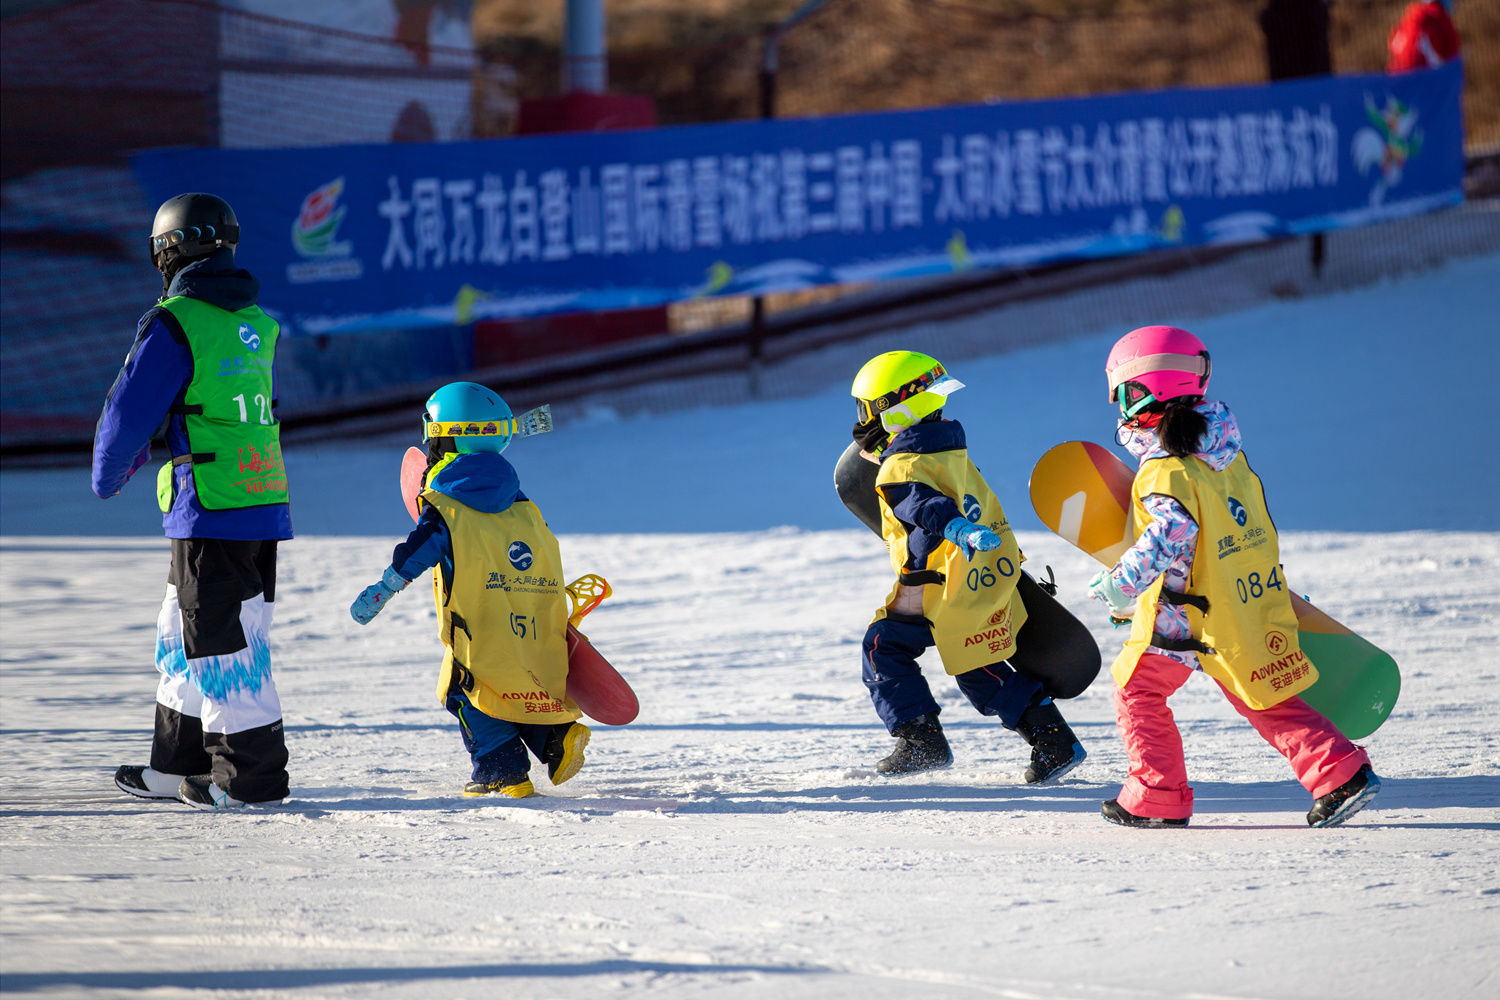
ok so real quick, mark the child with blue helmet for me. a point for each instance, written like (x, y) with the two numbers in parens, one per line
(502, 609)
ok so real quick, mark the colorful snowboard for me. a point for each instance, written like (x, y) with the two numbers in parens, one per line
(1082, 492)
(1053, 646)
(595, 686)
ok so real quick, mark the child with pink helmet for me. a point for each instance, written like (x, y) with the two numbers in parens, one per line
(1205, 590)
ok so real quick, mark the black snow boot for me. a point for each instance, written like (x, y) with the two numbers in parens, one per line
(1116, 813)
(1345, 800)
(1054, 749)
(147, 782)
(920, 746)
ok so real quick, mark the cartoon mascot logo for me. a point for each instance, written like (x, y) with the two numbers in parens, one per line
(1386, 144)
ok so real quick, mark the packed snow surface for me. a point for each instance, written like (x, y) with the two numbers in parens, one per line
(735, 841)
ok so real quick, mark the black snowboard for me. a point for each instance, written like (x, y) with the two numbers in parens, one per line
(1053, 647)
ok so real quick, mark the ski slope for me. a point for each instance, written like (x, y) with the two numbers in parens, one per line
(735, 841)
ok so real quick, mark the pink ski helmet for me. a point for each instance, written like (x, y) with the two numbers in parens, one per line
(1153, 365)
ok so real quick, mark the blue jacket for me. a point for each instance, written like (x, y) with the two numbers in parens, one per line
(153, 379)
(481, 481)
(924, 510)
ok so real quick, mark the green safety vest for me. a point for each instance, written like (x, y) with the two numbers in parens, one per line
(234, 440)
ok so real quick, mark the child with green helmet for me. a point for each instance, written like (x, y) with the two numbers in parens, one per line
(502, 609)
(957, 566)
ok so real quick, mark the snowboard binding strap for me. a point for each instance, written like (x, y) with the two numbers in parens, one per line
(585, 594)
(1049, 585)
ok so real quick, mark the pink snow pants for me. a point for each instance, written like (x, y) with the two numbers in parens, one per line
(1158, 786)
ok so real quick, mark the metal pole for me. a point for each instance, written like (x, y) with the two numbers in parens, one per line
(584, 66)
(768, 67)
(770, 63)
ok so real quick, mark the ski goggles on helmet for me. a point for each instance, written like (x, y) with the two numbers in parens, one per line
(466, 428)
(1130, 382)
(197, 235)
(934, 379)
(1133, 398)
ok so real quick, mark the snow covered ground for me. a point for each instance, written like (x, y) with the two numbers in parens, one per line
(735, 841)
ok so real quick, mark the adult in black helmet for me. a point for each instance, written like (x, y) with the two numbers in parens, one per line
(203, 363)
(188, 227)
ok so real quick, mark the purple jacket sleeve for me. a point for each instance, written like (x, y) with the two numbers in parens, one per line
(1169, 538)
(155, 373)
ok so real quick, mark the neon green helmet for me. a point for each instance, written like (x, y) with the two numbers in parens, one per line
(902, 388)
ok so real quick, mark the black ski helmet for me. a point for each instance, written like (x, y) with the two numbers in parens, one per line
(194, 225)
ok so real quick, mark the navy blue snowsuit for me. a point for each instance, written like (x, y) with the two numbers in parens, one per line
(892, 644)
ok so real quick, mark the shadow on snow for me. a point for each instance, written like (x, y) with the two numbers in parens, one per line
(860, 795)
(261, 979)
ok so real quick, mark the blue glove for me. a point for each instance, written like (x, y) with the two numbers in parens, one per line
(970, 538)
(371, 600)
(1104, 587)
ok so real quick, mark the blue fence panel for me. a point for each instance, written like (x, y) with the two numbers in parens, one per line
(359, 238)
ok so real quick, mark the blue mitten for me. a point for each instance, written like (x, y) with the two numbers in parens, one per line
(970, 538)
(1104, 587)
(371, 600)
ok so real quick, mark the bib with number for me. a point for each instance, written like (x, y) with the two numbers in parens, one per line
(233, 437)
(1250, 628)
(975, 609)
(504, 620)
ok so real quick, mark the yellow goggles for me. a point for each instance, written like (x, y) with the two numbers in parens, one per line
(869, 409)
(461, 428)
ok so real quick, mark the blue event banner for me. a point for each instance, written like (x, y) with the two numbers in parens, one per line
(354, 238)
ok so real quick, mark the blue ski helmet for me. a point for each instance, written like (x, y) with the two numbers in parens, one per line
(476, 418)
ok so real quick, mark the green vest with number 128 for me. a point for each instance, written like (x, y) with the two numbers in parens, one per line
(233, 436)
